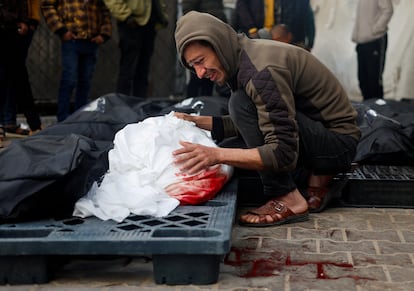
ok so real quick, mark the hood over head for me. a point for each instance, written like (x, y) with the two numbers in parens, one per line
(203, 26)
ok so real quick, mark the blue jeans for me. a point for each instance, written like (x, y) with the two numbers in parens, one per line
(78, 65)
(321, 151)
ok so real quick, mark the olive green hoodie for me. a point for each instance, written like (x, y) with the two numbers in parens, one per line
(139, 10)
(281, 79)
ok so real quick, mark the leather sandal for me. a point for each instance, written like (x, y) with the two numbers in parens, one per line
(279, 213)
(319, 197)
(16, 131)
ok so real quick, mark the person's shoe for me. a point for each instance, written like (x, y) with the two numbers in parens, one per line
(16, 130)
(319, 197)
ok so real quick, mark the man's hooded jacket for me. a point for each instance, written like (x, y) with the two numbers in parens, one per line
(281, 79)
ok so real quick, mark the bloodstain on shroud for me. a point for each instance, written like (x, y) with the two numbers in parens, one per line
(198, 188)
(252, 266)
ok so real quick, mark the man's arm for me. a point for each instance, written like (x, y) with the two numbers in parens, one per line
(192, 158)
(52, 18)
(106, 26)
(385, 16)
(203, 122)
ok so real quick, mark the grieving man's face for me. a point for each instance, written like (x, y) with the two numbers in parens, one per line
(205, 62)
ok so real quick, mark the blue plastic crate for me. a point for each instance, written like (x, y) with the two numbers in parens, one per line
(198, 234)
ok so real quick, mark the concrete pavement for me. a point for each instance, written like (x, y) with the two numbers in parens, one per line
(339, 249)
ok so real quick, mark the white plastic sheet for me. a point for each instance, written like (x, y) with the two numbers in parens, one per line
(141, 172)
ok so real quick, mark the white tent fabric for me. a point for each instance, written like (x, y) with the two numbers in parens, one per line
(334, 21)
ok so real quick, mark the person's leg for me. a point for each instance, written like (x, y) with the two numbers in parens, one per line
(382, 48)
(10, 77)
(9, 105)
(4, 81)
(146, 38)
(223, 91)
(244, 114)
(199, 87)
(129, 46)
(325, 153)
(369, 68)
(286, 204)
(68, 79)
(87, 62)
(2, 100)
(206, 87)
(10, 115)
(25, 102)
(9, 110)
(362, 70)
(193, 86)
(22, 87)
(375, 69)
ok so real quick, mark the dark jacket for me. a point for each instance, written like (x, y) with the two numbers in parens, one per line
(214, 7)
(248, 14)
(281, 79)
(296, 14)
(14, 11)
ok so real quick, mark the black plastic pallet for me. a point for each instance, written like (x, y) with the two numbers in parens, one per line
(380, 186)
(198, 234)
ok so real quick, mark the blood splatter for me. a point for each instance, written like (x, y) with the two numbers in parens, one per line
(260, 264)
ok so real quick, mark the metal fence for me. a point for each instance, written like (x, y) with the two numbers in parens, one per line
(44, 64)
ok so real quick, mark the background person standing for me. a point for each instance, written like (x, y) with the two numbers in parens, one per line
(370, 35)
(253, 15)
(18, 22)
(82, 26)
(137, 22)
